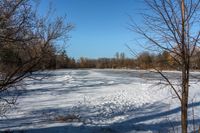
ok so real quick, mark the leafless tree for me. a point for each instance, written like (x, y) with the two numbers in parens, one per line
(173, 26)
(26, 41)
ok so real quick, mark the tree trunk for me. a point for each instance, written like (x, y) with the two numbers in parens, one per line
(184, 106)
(185, 91)
(185, 72)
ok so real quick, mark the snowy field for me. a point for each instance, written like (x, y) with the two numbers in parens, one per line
(100, 101)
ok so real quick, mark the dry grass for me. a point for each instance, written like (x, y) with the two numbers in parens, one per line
(68, 118)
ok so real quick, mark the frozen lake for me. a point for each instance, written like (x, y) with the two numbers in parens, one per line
(102, 100)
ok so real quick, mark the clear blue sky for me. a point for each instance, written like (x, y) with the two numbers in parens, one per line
(100, 25)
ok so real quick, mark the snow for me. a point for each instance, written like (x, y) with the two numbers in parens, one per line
(122, 101)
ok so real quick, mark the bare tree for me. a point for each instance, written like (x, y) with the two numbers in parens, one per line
(173, 26)
(26, 41)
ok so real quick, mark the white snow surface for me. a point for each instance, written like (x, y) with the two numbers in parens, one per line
(104, 101)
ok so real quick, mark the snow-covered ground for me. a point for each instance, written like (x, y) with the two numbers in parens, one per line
(100, 101)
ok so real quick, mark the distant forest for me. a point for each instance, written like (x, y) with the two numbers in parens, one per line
(60, 60)
(144, 60)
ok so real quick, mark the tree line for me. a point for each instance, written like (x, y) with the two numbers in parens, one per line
(145, 60)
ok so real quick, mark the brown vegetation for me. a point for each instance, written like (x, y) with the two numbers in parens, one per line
(27, 44)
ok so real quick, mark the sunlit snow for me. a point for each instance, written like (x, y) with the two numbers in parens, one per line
(103, 100)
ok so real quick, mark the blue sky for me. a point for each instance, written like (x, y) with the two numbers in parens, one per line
(101, 26)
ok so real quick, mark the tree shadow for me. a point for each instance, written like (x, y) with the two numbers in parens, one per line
(165, 125)
(153, 119)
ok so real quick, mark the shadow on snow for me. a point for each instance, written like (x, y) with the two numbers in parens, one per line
(137, 123)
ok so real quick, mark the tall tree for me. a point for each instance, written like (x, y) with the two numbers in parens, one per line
(26, 41)
(173, 26)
